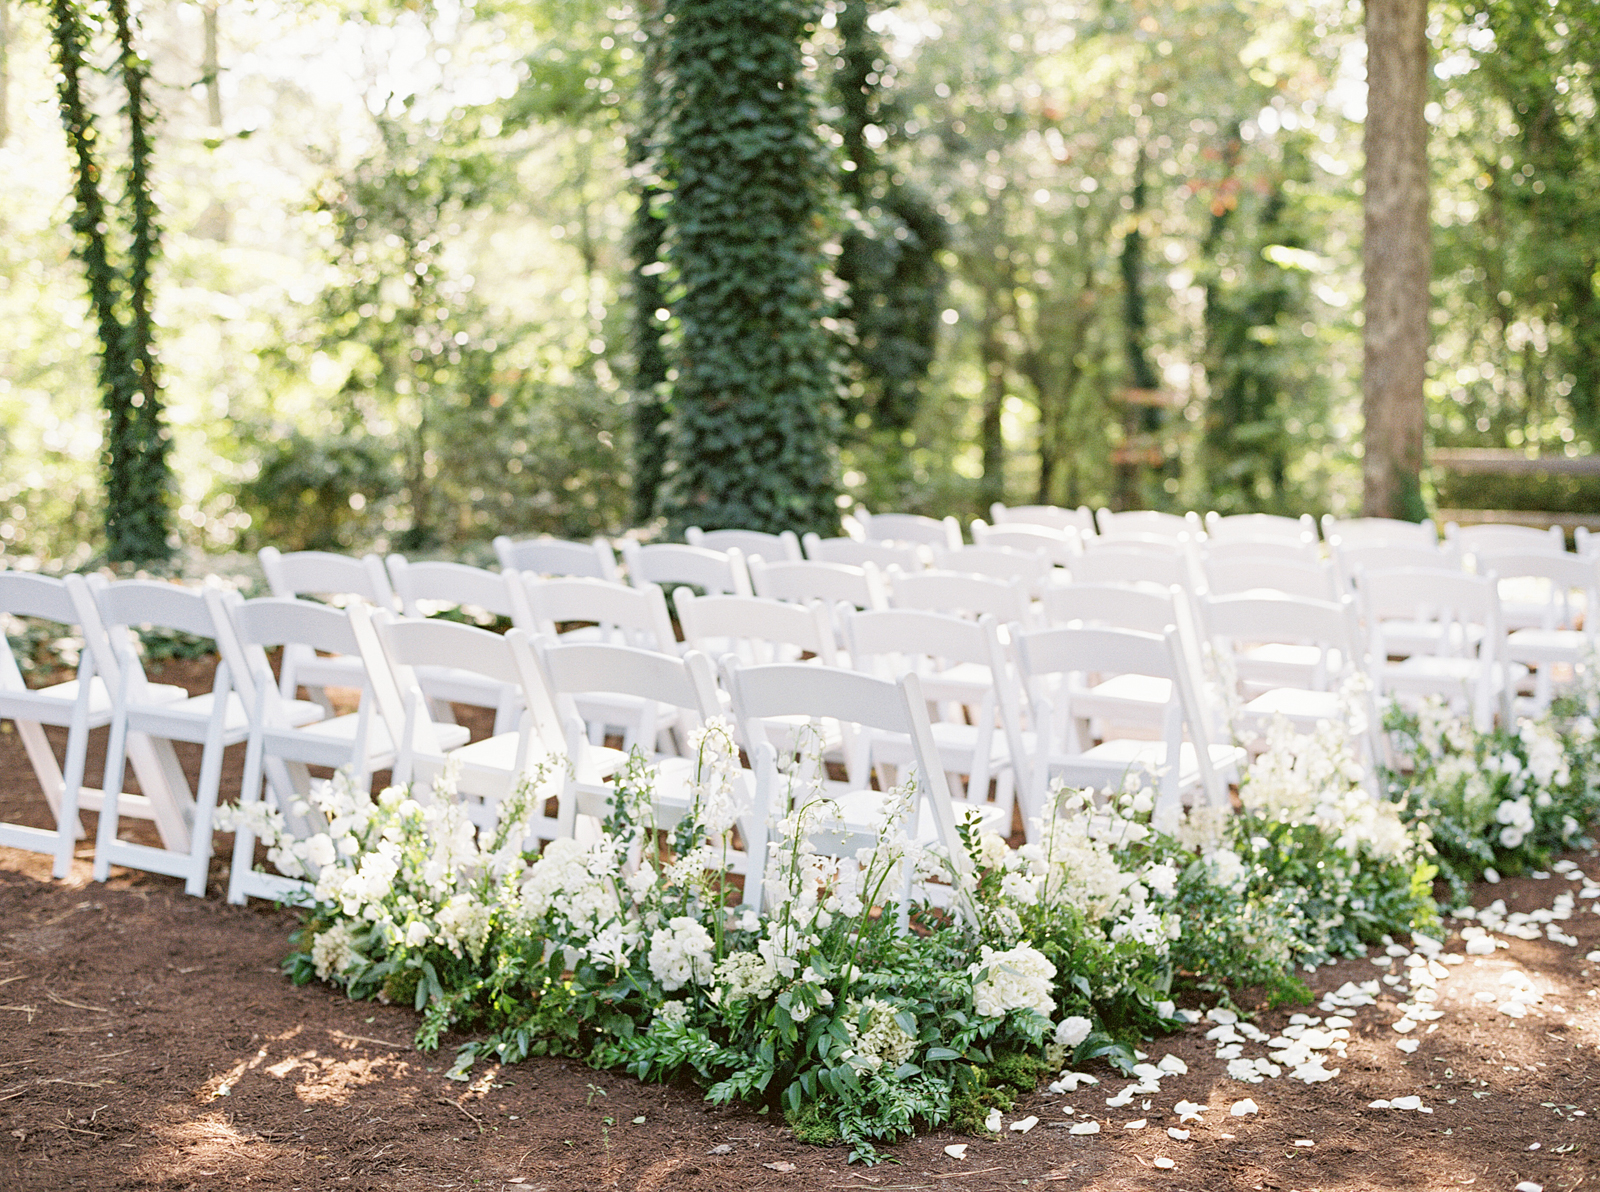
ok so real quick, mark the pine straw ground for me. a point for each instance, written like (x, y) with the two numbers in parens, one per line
(148, 1041)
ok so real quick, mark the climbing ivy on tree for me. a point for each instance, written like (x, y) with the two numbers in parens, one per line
(138, 480)
(754, 399)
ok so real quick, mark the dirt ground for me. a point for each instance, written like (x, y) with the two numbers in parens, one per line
(148, 1041)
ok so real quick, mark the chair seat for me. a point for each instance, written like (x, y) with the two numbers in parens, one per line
(461, 686)
(1547, 645)
(35, 704)
(1141, 697)
(1286, 664)
(1424, 674)
(182, 719)
(1296, 704)
(1107, 763)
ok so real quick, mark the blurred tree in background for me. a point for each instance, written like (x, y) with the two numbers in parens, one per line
(432, 273)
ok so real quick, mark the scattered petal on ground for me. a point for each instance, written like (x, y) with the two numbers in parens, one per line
(1023, 1125)
(1136, 1124)
(992, 1122)
(1163, 1162)
(1085, 1128)
(1240, 1108)
(1177, 1135)
(1407, 1045)
(956, 1150)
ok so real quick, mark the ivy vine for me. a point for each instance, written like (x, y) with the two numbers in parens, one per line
(755, 396)
(138, 480)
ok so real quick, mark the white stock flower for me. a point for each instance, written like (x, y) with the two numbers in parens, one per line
(332, 951)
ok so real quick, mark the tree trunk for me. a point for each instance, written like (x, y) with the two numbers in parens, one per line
(1397, 258)
(994, 358)
(210, 68)
(5, 70)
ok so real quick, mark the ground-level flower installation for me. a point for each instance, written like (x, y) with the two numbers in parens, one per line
(631, 950)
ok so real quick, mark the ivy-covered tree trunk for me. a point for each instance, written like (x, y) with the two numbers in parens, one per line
(753, 404)
(1397, 258)
(138, 480)
(646, 236)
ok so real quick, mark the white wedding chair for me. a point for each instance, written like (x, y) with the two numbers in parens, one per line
(146, 714)
(756, 629)
(680, 691)
(78, 705)
(320, 573)
(1116, 563)
(1035, 570)
(959, 592)
(1054, 517)
(784, 547)
(1502, 539)
(280, 746)
(1311, 581)
(1053, 664)
(1148, 522)
(1469, 666)
(557, 557)
(1564, 632)
(1260, 527)
(486, 771)
(1306, 552)
(861, 706)
(853, 552)
(717, 572)
(432, 587)
(962, 670)
(1061, 547)
(831, 583)
(1378, 531)
(1304, 652)
(909, 527)
(614, 614)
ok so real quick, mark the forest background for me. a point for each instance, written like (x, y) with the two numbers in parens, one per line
(406, 295)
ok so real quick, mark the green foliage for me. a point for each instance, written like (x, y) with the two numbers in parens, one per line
(312, 493)
(1504, 800)
(137, 481)
(756, 385)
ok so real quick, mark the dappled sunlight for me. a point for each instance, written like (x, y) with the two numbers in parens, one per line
(318, 1075)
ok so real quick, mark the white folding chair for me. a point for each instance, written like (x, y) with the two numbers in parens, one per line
(755, 629)
(962, 593)
(716, 572)
(831, 583)
(1376, 531)
(1318, 650)
(1219, 556)
(1151, 522)
(777, 547)
(961, 667)
(852, 552)
(323, 573)
(1117, 564)
(1565, 631)
(615, 615)
(999, 562)
(1227, 577)
(1053, 517)
(1469, 666)
(1048, 658)
(1503, 539)
(1260, 527)
(279, 749)
(433, 587)
(146, 712)
(1061, 547)
(909, 527)
(555, 556)
(859, 704)
(486, 771)
(77, 705)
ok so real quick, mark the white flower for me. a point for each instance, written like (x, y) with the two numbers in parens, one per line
(320, 850)
(1072, 1031)
(332, 951)
(680, 953)
(418, 933)
(884, 1043)
(1018, 978)
(1163, 879)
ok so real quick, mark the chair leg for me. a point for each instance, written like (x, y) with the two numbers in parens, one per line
(71, 785)
(205, 806)
(244, 840)
(111, 797)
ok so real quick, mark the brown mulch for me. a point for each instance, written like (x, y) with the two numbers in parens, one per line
(148, 1040)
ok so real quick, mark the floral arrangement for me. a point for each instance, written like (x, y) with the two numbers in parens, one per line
(875, 993)
(1501, 801)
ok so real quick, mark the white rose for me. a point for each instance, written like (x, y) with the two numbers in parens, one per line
(1073, 1031)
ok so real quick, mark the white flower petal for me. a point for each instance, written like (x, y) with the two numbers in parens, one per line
(1085, 1128)
(956, 1150)
(1241, 1108)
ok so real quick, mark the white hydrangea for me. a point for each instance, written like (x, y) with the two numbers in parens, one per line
(332, 951)
(884, 1043)
(673, 1013)
(1072, 1031)
(1517, 816)
(1018, 978)
(680, 953)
